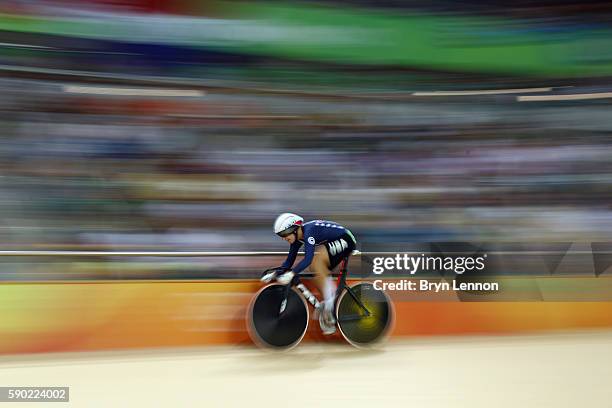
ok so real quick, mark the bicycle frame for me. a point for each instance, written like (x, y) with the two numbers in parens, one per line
(312, 299)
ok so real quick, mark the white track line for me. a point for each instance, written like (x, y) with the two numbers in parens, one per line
(5, 44)
(482, 92)
(116, 91)
(572, 97)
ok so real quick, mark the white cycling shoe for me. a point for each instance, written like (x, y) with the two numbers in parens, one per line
(326, 320)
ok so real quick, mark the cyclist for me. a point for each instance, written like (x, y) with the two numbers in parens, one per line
(326, 244)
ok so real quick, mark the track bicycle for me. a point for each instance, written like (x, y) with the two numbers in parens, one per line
(278, 315)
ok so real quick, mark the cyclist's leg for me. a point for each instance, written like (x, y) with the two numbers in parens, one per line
(320, 266)
(328, 257)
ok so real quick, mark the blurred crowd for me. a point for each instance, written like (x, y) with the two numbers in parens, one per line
(212, 172)
(85, 166)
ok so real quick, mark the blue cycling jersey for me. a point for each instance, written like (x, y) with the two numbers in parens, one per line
(316, 233)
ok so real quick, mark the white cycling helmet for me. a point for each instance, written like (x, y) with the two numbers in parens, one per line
(287, 223)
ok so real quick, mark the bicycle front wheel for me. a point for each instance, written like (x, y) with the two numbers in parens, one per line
(271, 328)
(366, 323)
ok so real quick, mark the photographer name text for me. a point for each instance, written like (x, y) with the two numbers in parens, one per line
(424, 285)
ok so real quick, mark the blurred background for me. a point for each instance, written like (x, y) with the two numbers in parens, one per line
(184, 125)
(189, 125)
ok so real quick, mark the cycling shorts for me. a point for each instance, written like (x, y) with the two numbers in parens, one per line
(340, 248)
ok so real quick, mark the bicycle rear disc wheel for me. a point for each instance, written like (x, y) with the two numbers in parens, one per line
(356, 326)
(271, 329)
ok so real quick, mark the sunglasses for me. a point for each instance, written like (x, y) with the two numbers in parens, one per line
(288, 231)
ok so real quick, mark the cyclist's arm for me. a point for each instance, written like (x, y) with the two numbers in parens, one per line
(309, 250)
(293, 251)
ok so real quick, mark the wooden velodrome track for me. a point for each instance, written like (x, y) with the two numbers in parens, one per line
(562, 370)
(94, 338)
